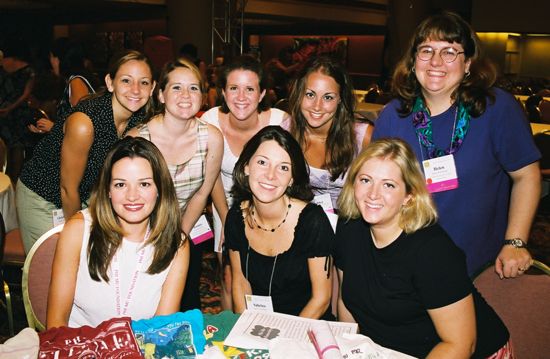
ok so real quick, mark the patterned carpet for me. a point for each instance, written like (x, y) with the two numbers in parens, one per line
(539, 244)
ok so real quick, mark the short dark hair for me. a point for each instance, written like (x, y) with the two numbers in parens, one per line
(245, 63)
(300, 187)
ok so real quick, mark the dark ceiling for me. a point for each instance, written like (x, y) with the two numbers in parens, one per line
(81, 11)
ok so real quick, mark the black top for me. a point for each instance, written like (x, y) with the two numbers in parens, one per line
(13, 127)
(389, 290)
(291, 284)
(41, 174)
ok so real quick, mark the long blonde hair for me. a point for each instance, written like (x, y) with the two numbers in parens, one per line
(420, 211)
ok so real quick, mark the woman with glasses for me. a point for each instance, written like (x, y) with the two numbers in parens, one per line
(473, 141)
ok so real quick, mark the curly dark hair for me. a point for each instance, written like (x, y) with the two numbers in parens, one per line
(474, 89)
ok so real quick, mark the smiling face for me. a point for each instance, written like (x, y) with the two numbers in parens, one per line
(269, 172)
(320, 100)
(133, 191)
(182, 96)
(131, 87)
(380, 193)
(242, 94)
(437, 77)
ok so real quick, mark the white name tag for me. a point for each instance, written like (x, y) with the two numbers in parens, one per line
(201, 231)
(258, 302)
(57, 217)
(325, 202)
(440, 173)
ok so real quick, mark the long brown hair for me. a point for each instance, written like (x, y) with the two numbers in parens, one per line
(341, 144)
(474, 88)
(106, 233)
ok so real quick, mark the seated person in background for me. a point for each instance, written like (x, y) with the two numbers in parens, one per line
(67, 59)
(126, 254)
(402, 279)
(280, 245)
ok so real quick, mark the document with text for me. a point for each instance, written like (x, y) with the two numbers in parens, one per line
(254, 329)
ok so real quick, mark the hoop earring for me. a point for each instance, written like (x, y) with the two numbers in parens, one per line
(412, 69)
(467, 74)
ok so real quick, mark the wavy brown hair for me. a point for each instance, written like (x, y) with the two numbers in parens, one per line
(474, 89)
(341, 143)
(106, 233)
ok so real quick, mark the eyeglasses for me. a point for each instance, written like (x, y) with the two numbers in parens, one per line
(448, 54)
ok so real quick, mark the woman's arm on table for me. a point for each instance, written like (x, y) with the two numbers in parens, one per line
(321, 286)
(456, 326)
(172, 289)
(524, 200)
(77, 141)
(343, 313)
(240, 285)
(64, 273)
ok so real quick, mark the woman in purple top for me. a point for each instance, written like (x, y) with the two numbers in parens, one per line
(473, 141)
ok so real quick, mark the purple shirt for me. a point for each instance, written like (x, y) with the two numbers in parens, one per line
(499, 141)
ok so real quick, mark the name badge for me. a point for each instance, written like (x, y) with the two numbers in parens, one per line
(440, 174)
(201, 231)
(258, 302)
(57, 217)
(325, 202)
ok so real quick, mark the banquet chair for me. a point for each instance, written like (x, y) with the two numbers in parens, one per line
(542, 140)
(7, 293)
(36, 278)
(522, 304)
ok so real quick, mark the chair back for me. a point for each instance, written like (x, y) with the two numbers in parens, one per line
(523, 305)
(2, 241)
(36, 278)
(542, 140)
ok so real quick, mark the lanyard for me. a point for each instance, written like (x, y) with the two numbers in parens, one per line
(272, 269)
(122, 311)
(422, 124)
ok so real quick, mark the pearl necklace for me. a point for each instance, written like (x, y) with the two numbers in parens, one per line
(274, 228)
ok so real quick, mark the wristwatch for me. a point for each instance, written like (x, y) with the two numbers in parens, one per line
(516, 242)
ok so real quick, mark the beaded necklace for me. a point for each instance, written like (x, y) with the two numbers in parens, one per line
(289, 206)
(422, 123)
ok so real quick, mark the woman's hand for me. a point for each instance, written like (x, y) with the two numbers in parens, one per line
(43, 125)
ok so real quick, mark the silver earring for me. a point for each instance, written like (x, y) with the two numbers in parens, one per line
(467, 74)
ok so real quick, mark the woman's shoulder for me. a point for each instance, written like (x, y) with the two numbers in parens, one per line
(312, 217)
(212, 116)
(433, 240)
(277, 116)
